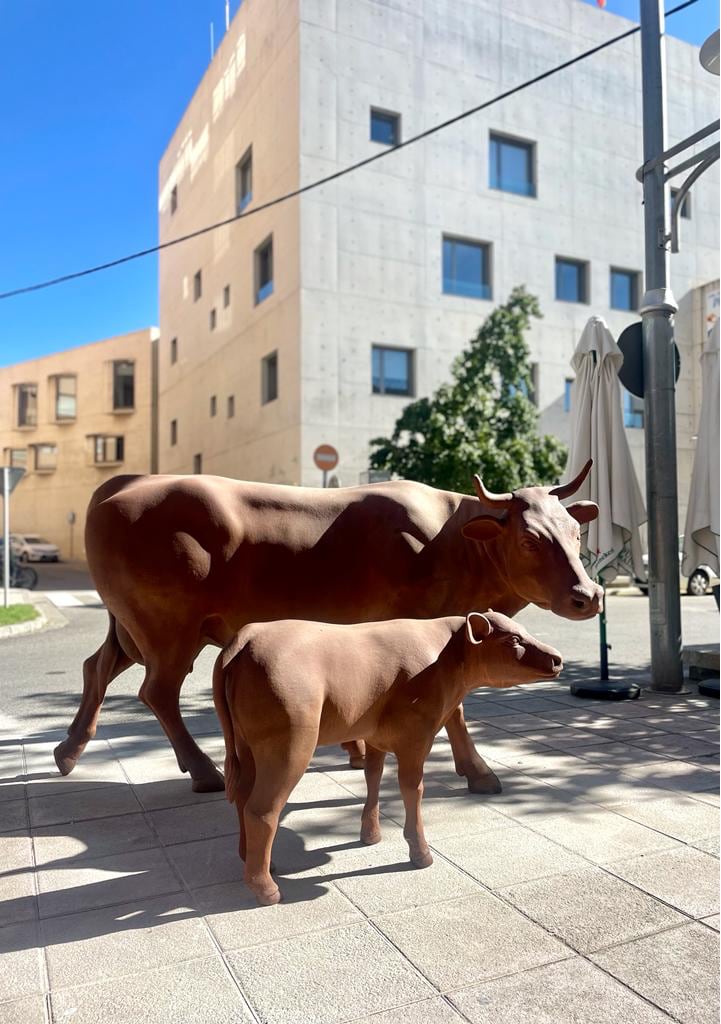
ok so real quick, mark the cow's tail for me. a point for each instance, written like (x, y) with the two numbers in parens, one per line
(222, 709)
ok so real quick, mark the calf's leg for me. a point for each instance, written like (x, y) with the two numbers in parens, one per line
(410, 778)
(370, 820)
(356, 750)
(99, 670)
(468, 761)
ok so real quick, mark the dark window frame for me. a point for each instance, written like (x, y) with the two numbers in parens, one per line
(173, 199)
(226, 296)
(173, 351)
(499, 139)
(27, 405)
(120, 400)
(485, 286)
(66, 417)
(230, 407)
(269, 378)
(382, 389)
(36, 460)
(173, 433)
(380, 116)
(213, 405)
(585, 279)
(243, 191)
(633, 411)
(634, 277)
(102, 454)
(197, 285)
(198, 463)
(262, 290)
(567, 389)
(213, 319)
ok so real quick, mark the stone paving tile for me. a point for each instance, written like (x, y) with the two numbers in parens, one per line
(677, 970)
(200, 821)
(679, 745)
(95, 837)
(599, 835)
(619, 755)
(380, 879)
(430, 1011)
(115, 941)
(677, 816)
(326, 977)
(570, 992)
(23, 1011)
(207, 861)
(165, 793)
(17, 889)
(606, 787)
(709, 796)
(450, 813)
(13, 816)
(709, 844)
(192, 993)
(105, 802)
(20, 961)
(712, 922)
(502, 857)
(521, 722)
(678, 776)
(686, 879)
(468, 940)
(309, 904)
(525, 798)
(119, 878)
(591, 909)
(12, 785)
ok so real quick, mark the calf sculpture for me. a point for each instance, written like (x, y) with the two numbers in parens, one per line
(283, 688)
(185, 561)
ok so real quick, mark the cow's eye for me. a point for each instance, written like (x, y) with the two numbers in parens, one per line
(529, 543)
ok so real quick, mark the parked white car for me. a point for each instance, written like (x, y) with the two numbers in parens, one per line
(30, 547)
(696, 585)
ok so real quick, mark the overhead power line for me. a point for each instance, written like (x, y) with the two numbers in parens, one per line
(337, 174)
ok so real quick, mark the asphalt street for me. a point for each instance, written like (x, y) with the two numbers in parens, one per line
(41, 674)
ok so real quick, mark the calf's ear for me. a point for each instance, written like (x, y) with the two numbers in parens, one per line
(583, 511)
(482, 528)
(478, 627)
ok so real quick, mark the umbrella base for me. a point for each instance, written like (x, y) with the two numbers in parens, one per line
(597, 689)
(709, 688)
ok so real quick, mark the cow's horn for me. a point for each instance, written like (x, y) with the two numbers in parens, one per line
(488, 497)
(566, 490)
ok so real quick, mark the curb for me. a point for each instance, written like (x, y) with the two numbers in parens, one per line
(49, 617)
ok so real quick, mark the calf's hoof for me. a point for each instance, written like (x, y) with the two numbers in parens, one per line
(482, 782)
(66, 757)
(209, 783)
(267, 895)
(357, 762)
(421, 860)
(371, 836)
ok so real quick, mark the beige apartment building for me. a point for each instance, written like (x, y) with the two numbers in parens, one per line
(72, 420)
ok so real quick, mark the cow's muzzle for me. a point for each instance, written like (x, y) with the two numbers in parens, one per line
(585, 601)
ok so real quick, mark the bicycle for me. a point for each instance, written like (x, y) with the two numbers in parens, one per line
(22, 577)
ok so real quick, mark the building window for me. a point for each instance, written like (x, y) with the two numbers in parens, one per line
(197, 285)
(512, 165)
(632, 410)
(392, 371)
(264, 270)
(198, 463)
(685, 210)
(27, 405)
(46, 457)
(174, 199)
(571, 280)
(567, 386)
(173, 350)
(385, 127)
(123, 384)
(65, 398)
(17, 457)
(231, 406)
(269, 378)
(244, 182)
(173, 432)
(213, 405)
(226, 296)
(213, 319)
(624, 289)
(466, 268)
(107, 449)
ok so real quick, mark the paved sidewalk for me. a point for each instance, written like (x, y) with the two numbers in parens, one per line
(585, 893)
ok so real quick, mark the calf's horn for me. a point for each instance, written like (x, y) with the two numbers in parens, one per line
(488, 497)
(566, 490)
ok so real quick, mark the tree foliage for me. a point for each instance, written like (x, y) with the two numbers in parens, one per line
(482, 420)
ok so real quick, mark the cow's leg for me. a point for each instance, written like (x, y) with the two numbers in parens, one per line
(246, 768)
(161, 693)
(356, 753)
(278, 769)
(468, 761)
(99, 670)
(410, 779)
(370, 819)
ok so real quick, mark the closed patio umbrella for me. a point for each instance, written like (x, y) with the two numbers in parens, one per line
(701, 535)
(611, 544)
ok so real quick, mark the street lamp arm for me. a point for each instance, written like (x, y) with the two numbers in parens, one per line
(712, 155)
(652, 164)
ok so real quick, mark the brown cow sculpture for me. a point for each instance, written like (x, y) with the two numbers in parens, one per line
(185, 561)
(283, 688)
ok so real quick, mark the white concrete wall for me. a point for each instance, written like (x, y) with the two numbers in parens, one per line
(371, 242)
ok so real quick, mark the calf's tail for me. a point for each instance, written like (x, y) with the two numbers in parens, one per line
(220, 699)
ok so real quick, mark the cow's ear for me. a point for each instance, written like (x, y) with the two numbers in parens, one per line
(583, 511)
(478, 627)
(483, 528)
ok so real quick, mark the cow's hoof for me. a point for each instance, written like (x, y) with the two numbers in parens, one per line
(357, 762)
(371, 836)
(487, 783)
(209, 783)
(266, 895)
(422, 860)
(65, 761)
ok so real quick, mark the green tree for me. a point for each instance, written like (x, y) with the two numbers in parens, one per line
(482, 420)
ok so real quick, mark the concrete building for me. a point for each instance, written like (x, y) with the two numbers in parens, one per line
(73, 420)
(315, 320)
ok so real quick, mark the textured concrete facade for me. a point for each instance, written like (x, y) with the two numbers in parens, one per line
(368, 267)
(82, 433)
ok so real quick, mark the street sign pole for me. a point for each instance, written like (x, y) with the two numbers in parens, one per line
(6, 533)
(657, 310)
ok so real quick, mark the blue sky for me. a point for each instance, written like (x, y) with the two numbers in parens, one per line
(92, 90)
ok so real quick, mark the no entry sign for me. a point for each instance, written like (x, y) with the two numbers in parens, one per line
(325, 457)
